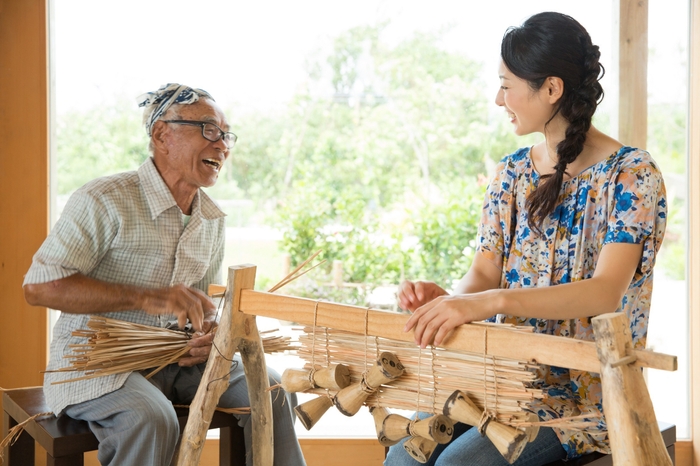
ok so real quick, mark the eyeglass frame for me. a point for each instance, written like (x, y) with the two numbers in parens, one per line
(201, 124)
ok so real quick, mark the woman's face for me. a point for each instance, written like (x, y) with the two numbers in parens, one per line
(528, 110)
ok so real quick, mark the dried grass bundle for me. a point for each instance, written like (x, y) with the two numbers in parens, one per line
(116, 346)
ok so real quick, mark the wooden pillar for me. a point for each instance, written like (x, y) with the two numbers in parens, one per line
(237, 331)
(694, 226)
(635, 439)
(24, 182)
(630, 31)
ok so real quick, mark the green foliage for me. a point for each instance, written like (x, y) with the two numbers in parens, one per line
(667, 145)
(673, 254)
(667, 136)
(383, 178)
(98, 142)
(379, 161)
(432, 240)
(446, 234)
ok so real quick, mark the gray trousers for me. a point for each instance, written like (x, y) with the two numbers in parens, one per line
(136, 425)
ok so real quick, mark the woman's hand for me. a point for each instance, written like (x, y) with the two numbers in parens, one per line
(413, 295)
(433, 322)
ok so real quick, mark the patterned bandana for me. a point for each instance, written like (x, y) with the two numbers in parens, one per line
(158, 102)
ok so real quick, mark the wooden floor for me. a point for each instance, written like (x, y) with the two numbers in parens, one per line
(317, 452)
(345, 452)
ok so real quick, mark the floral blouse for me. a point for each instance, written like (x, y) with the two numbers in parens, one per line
(618, 200)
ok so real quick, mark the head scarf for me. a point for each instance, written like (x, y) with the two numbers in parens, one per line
(158, 102)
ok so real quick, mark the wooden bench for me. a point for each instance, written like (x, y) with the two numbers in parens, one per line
(668, 432)
(65, 439)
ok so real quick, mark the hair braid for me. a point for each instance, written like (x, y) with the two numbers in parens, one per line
(557, 45)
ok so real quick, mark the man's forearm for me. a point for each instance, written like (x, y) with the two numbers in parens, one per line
(79, 294)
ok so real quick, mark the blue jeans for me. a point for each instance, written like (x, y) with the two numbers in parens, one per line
(469, 448)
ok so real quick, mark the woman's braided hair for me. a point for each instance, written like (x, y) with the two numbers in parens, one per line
(556, 45)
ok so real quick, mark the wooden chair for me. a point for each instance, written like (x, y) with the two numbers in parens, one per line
(65, 439)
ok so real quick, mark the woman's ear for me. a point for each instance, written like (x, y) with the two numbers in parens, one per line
(555, 89)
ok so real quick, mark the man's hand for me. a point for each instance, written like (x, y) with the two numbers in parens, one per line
(78, 294)
(182, 301)
(413, 295)
(200, 345)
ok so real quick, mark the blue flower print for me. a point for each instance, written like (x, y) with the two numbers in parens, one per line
(624, 199)
(513, 276)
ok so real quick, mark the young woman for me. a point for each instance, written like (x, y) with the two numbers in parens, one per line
(570, 230)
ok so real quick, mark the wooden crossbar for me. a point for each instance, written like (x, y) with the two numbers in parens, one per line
(474, 338)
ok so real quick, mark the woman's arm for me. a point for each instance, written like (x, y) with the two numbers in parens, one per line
(482, 276)
(600, 294)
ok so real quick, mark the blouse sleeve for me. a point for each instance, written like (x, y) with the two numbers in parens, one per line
(490, 236)
(637, 211)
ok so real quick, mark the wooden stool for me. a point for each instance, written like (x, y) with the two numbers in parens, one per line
(668, 432)
(65, 439)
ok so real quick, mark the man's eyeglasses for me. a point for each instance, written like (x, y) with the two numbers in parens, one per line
(210, 131)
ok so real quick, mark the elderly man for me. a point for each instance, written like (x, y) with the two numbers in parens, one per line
(142, 247)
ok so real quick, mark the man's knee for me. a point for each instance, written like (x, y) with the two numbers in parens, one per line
(156, 417)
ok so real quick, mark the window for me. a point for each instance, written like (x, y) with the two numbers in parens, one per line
(329, 103)
(667, 142)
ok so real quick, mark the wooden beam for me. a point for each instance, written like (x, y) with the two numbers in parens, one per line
(630, 31)
(474, 338)
(24, 193)
(694, 226)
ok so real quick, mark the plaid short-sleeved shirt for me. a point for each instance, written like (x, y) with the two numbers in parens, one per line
(125, 228)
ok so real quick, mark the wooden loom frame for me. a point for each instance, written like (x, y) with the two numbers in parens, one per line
(635, 438)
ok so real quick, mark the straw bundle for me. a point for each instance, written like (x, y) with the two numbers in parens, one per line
(431, 375)
(116, 346)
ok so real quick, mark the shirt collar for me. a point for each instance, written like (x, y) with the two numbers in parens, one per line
(160, 198)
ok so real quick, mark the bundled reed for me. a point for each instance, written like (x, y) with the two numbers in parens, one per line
(431, 375)
(116, 346)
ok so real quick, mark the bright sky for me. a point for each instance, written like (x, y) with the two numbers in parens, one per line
(253, 53)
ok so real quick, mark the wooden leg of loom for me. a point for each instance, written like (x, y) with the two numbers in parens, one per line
(635, 438)
(236, 330)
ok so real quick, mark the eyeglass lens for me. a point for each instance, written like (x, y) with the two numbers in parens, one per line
(213, 133)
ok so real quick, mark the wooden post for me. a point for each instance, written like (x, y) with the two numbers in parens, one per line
(337, 273)
(630, 54)
(635, 439)
(236, 331)
(286, 264)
